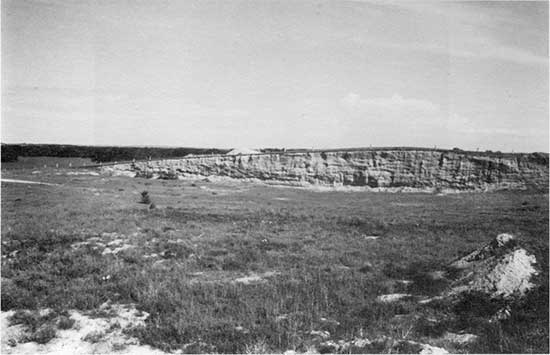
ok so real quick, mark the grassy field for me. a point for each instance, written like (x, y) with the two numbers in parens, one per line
(237, 267)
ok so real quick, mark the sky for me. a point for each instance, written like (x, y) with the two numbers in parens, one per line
(308, 74)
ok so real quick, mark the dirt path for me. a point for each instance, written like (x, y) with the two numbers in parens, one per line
(16, 181)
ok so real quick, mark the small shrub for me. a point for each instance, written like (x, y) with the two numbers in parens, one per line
(477, 304)
(228, 339)
(426, 284)
(94, 337)
(377, 347)
(65, 322)
(425, 281)
(176, 250)
(394, 271)
(230, 264)
(25, 318)
(327, 349)
(168, 175)
(259, 347)
(248, 255)
(366, 268)
(43, 335)
(119, 346)
(146, 174)
(218, 252)
(405, 347)
(114, 326)
(131, 256)
(434, 329)
(145, 199)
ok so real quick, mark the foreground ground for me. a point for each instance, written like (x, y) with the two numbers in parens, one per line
(236, 267)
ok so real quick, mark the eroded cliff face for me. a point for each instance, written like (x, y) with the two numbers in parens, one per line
(374, 169)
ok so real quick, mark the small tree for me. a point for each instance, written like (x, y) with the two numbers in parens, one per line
(145, 198)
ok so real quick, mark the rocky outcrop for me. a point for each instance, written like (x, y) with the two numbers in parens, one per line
(398, 168)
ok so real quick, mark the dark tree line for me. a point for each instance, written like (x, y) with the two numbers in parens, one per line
(10, 152)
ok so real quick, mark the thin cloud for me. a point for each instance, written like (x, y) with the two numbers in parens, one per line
(514, 55)
(463, 125)
(48, 101)
(469, 19)
(353, 101)
(461, 12)
(418, 115)
(470, 50)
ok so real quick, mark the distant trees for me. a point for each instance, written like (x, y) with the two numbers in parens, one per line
(10, 152)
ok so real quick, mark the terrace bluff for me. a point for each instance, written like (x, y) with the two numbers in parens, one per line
(384, 169)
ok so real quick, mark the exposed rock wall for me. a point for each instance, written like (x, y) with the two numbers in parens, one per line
(369, 168)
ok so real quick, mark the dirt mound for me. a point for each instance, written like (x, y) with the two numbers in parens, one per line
(500, 268)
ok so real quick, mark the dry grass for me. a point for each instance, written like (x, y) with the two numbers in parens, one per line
(186, 254)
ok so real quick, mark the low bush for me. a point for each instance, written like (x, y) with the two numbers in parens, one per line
(65, 322)
(43, 334)
(94, 337)
(145, 199)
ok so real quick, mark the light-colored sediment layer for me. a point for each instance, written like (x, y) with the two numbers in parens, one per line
(377, 169)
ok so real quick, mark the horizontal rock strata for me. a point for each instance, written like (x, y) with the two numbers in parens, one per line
(369, 168)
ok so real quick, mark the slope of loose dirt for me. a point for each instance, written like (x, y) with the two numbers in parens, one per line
(500, 268)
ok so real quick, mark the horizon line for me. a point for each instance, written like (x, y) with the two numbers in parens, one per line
(458, 149)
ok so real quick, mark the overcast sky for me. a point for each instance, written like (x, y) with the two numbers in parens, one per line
(276, 73)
